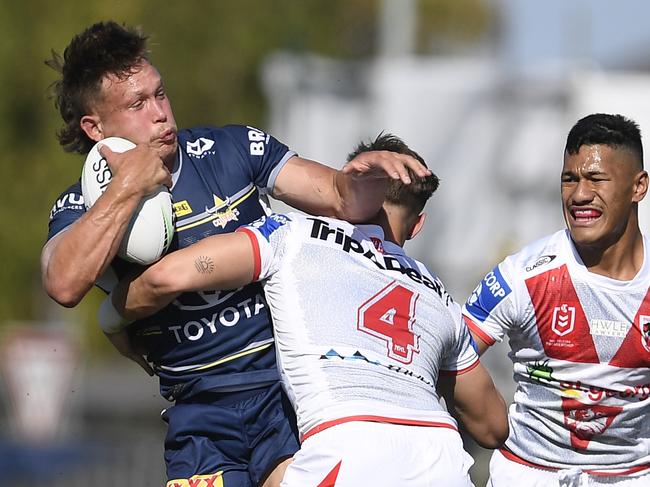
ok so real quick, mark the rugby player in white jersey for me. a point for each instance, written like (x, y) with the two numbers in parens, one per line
(364, 335)
(576, 309)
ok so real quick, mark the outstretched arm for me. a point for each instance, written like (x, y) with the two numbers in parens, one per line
(355, 193)
(477, 404)
(224, 261)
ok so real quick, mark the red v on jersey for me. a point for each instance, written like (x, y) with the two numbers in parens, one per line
(330, 479)
(564, 329)
(561, 322)
(635, 349)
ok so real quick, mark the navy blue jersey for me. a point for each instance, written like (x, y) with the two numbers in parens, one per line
(219, 340)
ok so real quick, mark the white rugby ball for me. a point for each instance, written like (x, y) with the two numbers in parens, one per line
(151, 228)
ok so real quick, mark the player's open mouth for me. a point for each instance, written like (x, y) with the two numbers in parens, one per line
(585, 215)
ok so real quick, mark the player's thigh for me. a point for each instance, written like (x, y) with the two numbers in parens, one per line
(204, 440)
(274, 479)
(376, 454)
(219, 479)
(272, 434)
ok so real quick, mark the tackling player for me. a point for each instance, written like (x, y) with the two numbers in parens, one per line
(213, 352)
(363, 333)
(576, 309)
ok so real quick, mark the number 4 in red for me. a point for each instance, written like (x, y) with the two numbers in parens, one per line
(389, 315)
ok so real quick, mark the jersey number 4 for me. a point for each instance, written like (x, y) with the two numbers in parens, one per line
(389, 315)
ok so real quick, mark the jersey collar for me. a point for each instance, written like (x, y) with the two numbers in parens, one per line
(178, 164)
(376, 234)
(577, 265)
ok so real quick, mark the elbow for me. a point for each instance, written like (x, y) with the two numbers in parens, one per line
(357, 210)
(487, 424)
(494, 438)
(65, 300)
(63, 281)
(147, 294)
(64, 294)
(352, 214)
(339, 210)
(361, 199)
(158, 280)
(64, 286)
(494, 432)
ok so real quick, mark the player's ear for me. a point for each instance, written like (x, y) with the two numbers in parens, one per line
(640, 186)
(92, 126)
(417, 226)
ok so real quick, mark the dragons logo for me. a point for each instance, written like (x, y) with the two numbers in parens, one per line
(585, 421)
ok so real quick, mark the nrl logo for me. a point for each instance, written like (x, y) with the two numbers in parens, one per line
(378, 244)
(564, 318)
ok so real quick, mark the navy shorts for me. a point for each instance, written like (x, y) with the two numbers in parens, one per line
(243, 434)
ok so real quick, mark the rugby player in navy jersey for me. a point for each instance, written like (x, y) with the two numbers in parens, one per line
(213, 351)
(364, 337)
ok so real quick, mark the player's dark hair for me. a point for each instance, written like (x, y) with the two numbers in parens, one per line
(414, 195)
(615, 131)
(105, 48)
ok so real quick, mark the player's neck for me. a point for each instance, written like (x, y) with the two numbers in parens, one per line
(620, 260)
(391, 228)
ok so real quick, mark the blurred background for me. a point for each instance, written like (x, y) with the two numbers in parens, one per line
(484, 90)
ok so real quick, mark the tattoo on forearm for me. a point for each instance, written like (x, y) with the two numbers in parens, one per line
(204, 264)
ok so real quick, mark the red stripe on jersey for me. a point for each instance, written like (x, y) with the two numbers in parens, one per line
(376, 419)
(561, 322)
(597, 473)
(635, 349)
(517, 459)
(330, 479)
(476, 330)
(256, 251)
(460, 371)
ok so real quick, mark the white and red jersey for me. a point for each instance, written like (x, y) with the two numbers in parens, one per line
(581, 352)
(362, 330)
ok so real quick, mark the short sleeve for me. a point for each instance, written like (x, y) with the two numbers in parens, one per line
(489, 311)
(265, 154)
(268, 235)
(462, 356)
(67, 209)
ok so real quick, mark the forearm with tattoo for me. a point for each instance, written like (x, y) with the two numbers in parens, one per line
(204, 265)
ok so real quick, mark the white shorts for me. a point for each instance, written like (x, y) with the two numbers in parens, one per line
(360, 453)
(506, 473)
